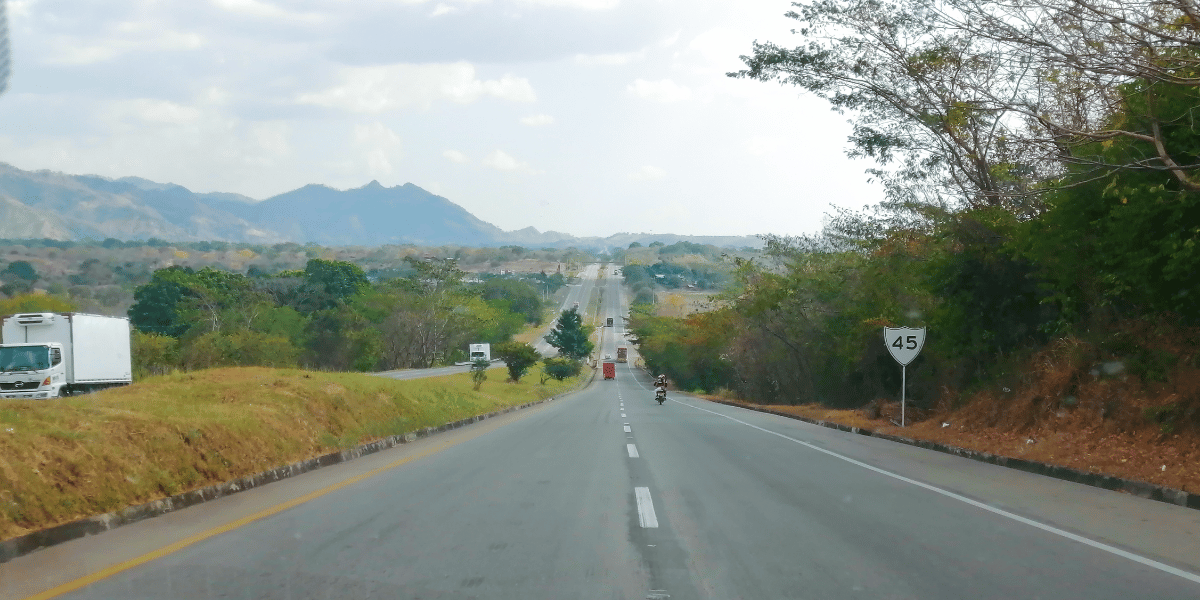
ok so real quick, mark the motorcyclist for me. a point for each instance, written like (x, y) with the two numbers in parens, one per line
(661, 381)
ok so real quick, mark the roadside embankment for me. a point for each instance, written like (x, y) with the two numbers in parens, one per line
(62, 460)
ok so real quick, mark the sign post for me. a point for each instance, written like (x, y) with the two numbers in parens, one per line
(904, 344)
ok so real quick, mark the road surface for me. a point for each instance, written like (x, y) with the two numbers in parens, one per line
(605, 494)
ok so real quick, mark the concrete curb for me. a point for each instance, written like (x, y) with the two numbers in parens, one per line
(1141, 489)
(30, 542)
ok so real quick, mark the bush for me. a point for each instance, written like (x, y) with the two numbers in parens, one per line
(240, 348)
(479, 372)
(153, 353)
(562, 368)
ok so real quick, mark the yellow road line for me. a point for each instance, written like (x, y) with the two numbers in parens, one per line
(199, 537)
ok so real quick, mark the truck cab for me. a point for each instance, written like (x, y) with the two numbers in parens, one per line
(32, 370)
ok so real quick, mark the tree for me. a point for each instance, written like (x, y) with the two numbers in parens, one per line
(518, 357)
(19, 277)
(521, 296)
(1084, 53)
(156, 306)
(20, 269)
(479, 372)
(569, 337)
(921, 96)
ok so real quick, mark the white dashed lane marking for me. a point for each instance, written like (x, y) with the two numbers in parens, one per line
(646, 516)
(628, 430)
(632, 450)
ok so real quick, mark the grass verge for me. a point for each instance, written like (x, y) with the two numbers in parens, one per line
(61, 460)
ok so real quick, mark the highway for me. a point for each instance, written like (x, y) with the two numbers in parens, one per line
(604, 494)
(577, 292)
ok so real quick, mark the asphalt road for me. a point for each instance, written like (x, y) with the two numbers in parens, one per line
(605, 494)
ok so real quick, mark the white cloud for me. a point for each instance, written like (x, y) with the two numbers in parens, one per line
(456, 156)
(502, 161)
(390, 87)
(127, 37)
(537, 120)
(379, 146)
(443, 9)
(648, 173)
(257, 8)
(763, 146)
(581, 4)
(609, 59)
(721, 46)
(152, 110)
(659, 91)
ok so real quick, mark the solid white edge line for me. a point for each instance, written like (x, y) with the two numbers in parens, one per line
(646, 516)
(633, 453)
(1149, 562)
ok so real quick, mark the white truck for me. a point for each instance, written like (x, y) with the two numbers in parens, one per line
(48, 355)
(479, 352)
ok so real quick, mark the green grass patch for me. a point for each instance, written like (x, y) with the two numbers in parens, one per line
(64, 459)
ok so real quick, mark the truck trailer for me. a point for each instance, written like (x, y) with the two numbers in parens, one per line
(622, 354)
(479, 352)
(610, 370)
(49, 355)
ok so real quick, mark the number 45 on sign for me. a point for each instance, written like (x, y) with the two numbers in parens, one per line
(904, 344)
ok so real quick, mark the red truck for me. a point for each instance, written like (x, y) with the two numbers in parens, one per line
(610, 370)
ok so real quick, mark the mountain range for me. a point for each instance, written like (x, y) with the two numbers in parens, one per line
(47, 204)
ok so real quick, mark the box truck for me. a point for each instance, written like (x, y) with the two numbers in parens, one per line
(48, 355)
(479, 352)
(622, 354)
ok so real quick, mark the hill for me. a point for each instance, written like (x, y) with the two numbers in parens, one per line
(47, 204)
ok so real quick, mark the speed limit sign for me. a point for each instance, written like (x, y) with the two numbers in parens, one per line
(904, 344)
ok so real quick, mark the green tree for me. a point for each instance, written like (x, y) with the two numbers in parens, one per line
(156, 307)
(19, 269)
(338, 279)
(518, 357)
(569, 337)
(522, 297)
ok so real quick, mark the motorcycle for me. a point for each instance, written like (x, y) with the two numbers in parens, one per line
(660, 394)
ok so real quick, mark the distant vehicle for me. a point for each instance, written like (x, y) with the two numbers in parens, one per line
(479, 352)
(576, 305)
(610, 370)
(50, 355)
(622, 352)
(610, 321)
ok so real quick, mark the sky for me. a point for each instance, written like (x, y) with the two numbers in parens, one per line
(589, 117)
